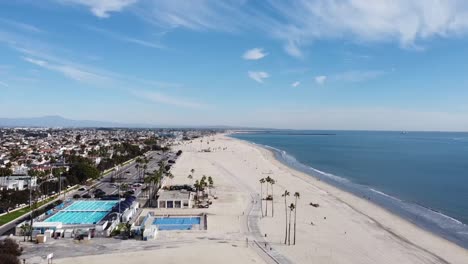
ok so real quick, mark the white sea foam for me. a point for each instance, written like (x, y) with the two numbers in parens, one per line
(386, 195)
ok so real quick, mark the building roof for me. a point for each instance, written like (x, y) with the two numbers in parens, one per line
(174, 195)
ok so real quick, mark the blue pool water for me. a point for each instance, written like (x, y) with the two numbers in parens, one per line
(91, 206)
(69, 218)
(421, 176)
(83, 212)
(176, 223)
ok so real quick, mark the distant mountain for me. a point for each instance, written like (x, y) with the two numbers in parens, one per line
(57, 121)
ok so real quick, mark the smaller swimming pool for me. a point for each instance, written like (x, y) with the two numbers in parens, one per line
(176, 223)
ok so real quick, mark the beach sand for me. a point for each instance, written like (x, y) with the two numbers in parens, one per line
(343, 229)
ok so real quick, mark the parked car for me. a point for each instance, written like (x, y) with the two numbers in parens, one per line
(86, 196)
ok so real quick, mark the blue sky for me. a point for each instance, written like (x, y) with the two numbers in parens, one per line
(343, 64)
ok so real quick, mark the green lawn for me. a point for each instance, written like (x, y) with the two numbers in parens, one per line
(13, 215)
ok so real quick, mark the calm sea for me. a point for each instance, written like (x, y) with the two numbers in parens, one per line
(421, 176)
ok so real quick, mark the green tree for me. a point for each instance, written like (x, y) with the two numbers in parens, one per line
(154, 182)
(5, 172)
(10, 251)
(25, 230)
(83, 172)
(210, 181)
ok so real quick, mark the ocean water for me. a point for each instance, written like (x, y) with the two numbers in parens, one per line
(421, 176)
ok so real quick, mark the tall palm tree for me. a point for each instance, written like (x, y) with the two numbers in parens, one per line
(272, 181)
(291, 208)
(25, 230)
(154, 180)
(137, 167)
(262, 181)
(145, 167)
(285, 194)
(268, 180)
(297, 195)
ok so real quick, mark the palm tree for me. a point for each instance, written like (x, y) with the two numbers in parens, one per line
(272, 181)
(25, 230)
(285, 194)
(145, 167)
(137, 167)
(197, 186)
(262, 181)
(268, 180)
(210, 181)
(291, 208)
(154, 180)
(297, 195)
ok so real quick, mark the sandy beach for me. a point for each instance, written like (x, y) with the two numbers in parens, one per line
(343, 229)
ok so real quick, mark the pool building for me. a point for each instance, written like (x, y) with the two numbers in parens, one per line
(92, 217)
(151, 224)
(175, 199)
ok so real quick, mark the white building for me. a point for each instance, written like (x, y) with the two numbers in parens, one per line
(19, 183)
(175, 199)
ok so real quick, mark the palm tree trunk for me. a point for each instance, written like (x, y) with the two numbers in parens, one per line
(289, 233)
(272, 203)
(266, 201)
(261, 197)
(286, 217)
(295, 209)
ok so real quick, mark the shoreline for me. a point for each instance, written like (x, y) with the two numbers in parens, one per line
(343, 229)
(345, 185)
(423, 239)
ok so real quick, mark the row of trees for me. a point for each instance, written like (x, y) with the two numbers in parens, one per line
(269, 197)
(141, 166)
(292, 208)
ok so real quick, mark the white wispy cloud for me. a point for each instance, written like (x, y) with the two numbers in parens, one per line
(69, 71)
(295, 84)
(258, 76)
(299, 23)
(124, 38)
(402, 21)
(21, 26)
(195, 15)
(254, 54)
(358, 75)
(320, 79)
(102, 8)
(157, 97)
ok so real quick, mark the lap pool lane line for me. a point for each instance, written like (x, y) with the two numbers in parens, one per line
(250, 225)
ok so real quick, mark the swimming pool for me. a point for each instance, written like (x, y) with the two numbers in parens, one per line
(83, 212)
(176, 223)
(91, 206)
